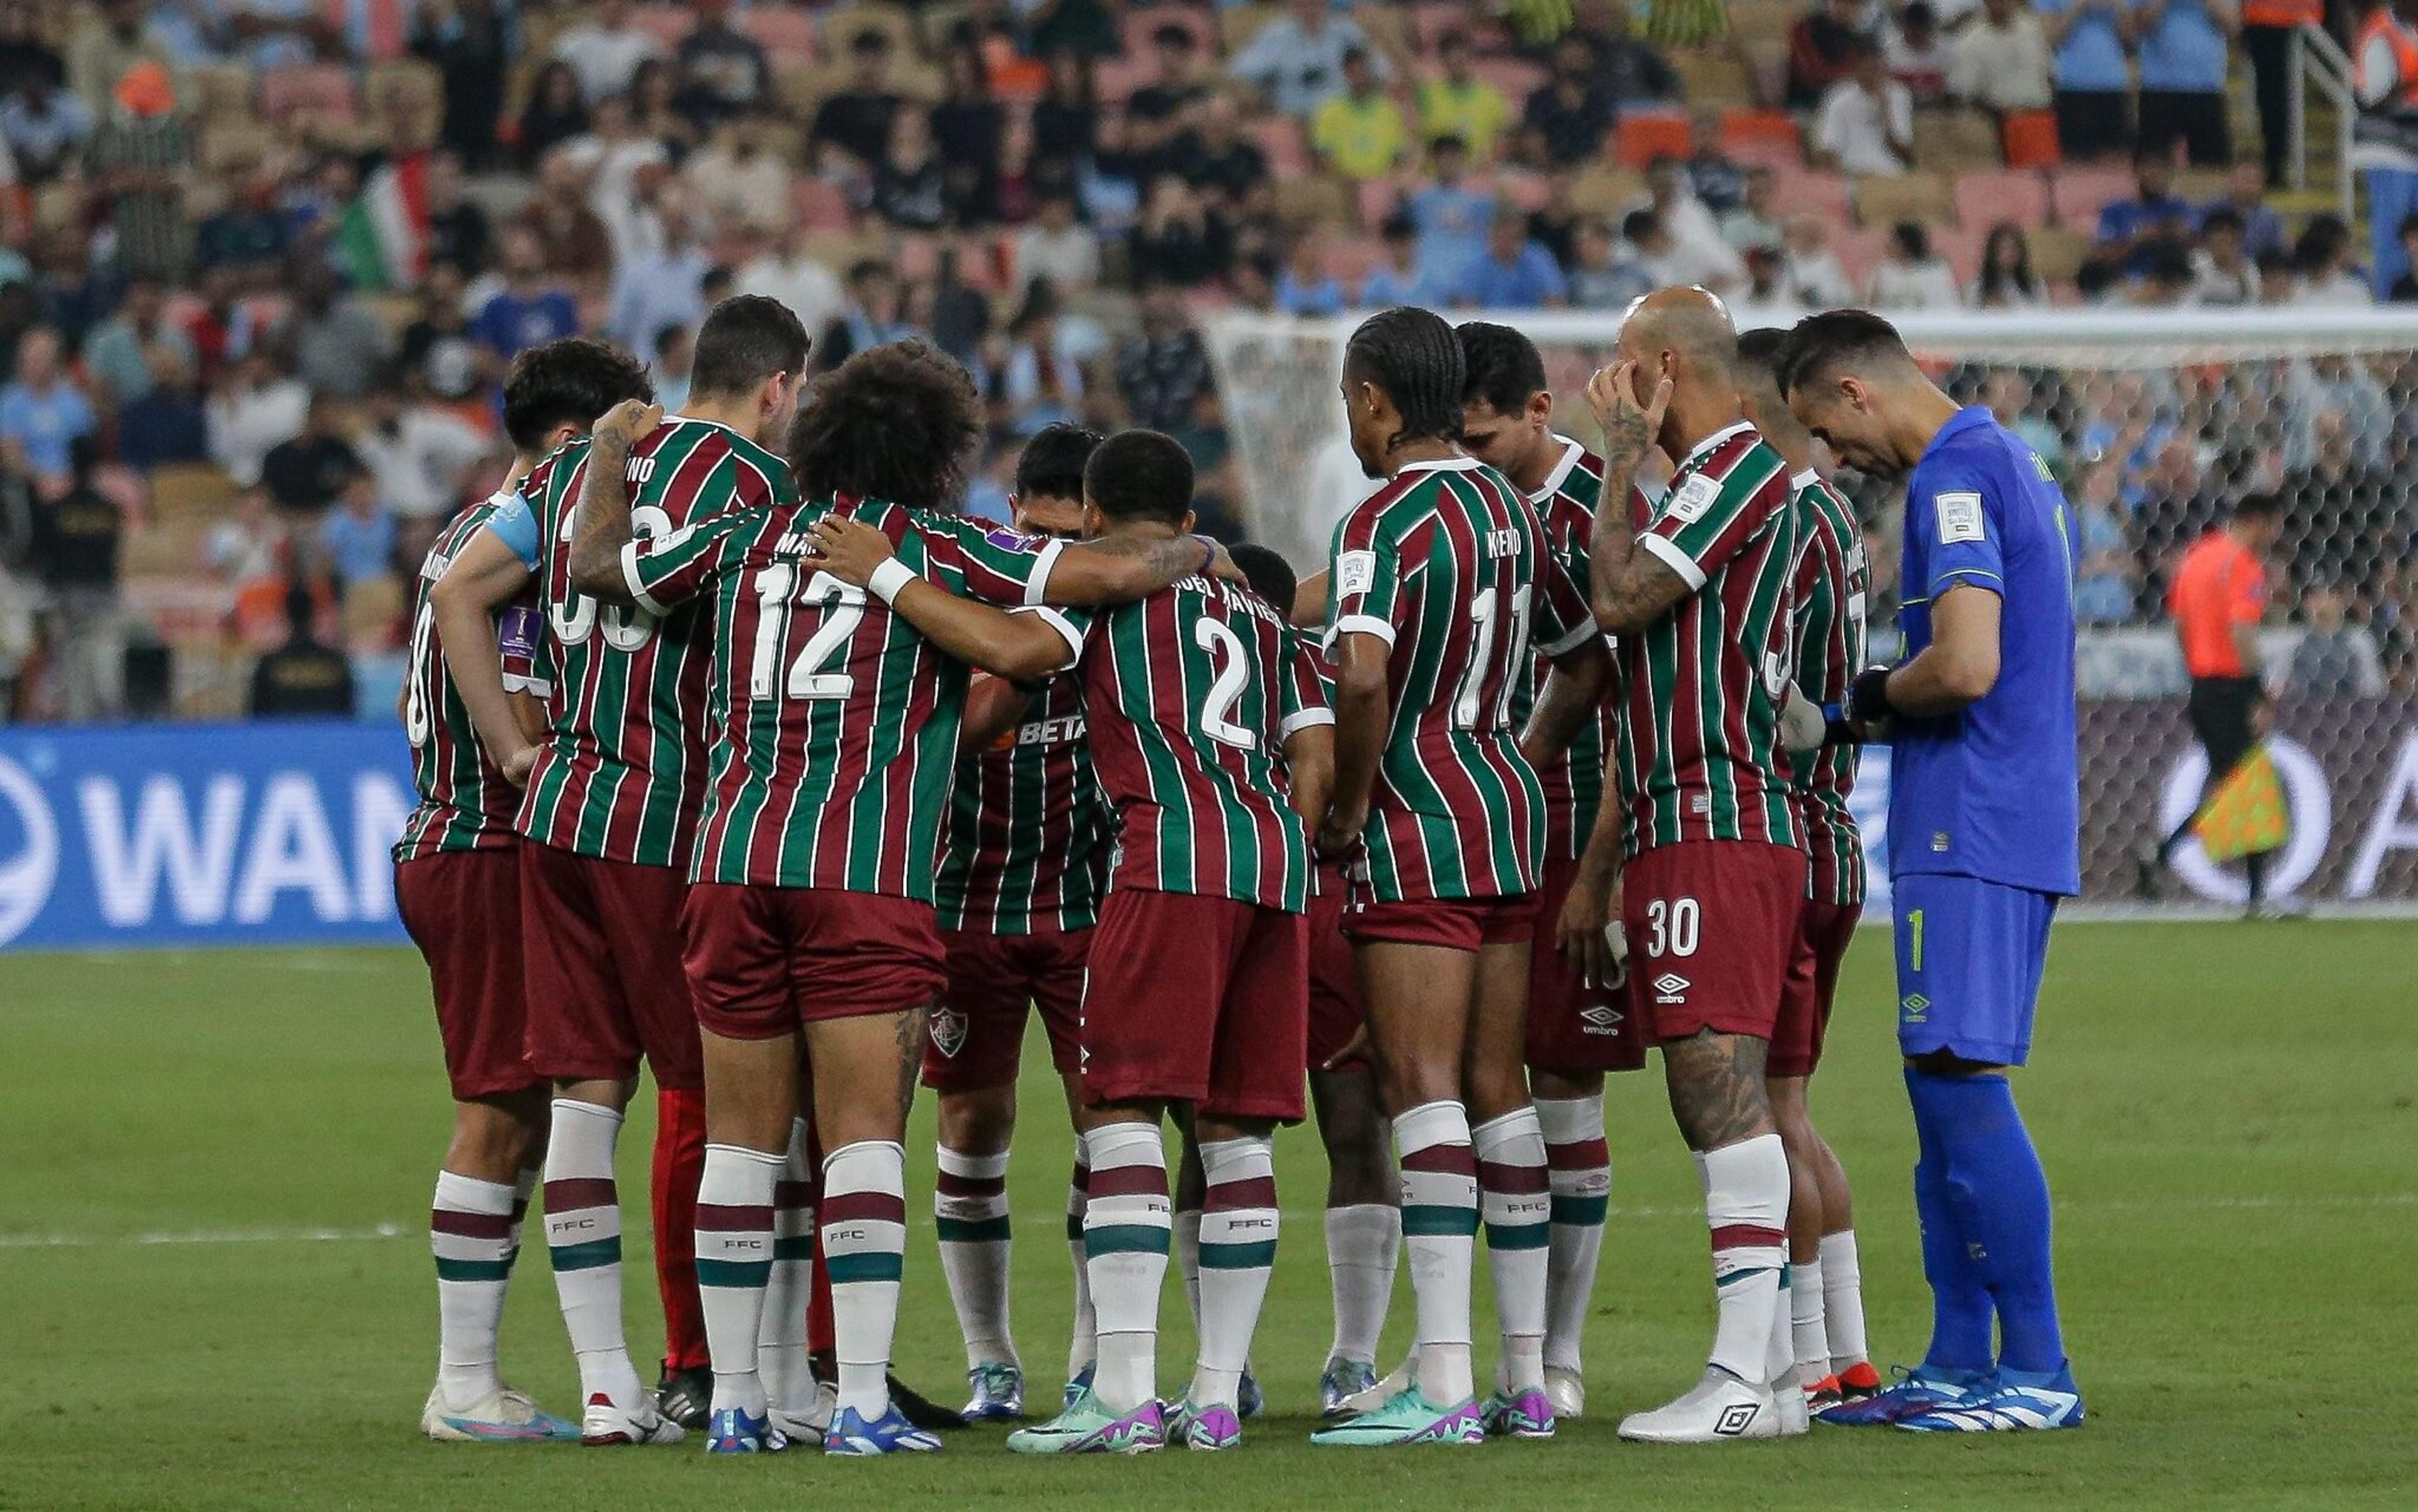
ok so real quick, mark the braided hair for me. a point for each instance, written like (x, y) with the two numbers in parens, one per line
(1414, 356)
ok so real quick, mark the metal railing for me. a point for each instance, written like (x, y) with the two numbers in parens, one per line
(2317, 61)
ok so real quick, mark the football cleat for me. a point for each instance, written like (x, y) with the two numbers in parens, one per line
(1788, 1401)
(1526, 1414)
(602, 1424)
(890, 1433)
(998, 1393)
(1369, 1398)
(1406, 1417)
(1719, 1408)
(1088, 1427)
(1206, 1428)
(736, 1431)
(1858, 1380)
(1341, 1380)
(686, 1397)
(503, 1415)
(1919, 1390)
(2016, 1401)
(1081, 1384)
(1567, 1390)
(1823, 1395)
(1247, 1400)
(919, 1409)
(807, 1426)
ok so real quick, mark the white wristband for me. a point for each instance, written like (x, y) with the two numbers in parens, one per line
(888, 579)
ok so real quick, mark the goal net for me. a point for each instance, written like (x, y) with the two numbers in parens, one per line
(2155, 421)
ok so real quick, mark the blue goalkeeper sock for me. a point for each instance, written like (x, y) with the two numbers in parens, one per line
(2003, 1201)
(1960, 1296)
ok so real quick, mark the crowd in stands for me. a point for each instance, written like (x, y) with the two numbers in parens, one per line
(264, 262)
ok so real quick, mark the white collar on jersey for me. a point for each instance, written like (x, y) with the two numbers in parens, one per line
(1804, 480)
(1571, 451)
(1706, 445)
(1439, 465)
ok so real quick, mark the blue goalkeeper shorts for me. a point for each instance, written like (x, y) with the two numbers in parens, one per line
(1969, 955)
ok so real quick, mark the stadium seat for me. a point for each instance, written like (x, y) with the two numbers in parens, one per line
(1763, 20)
(1858, 251)
(217, 89)
(1767, 64)
(1713, 75)
(2058, 253)
(1516, 78)
(1645, 135)
(1765, 136)
(1955, 140)
(667, 25)
(841, 26)
(1885, 199)
(1314, 198)
(2077, 194)
(1810, 191)
(1961, 245)
(2028, 138)
(1604, 189)
(1352, 259)
(786, 32)
(2019, 195)
(322, 89)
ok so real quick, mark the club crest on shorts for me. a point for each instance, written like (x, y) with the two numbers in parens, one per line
(948, 1027)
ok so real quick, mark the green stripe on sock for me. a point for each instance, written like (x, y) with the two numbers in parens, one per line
(462, 1270)
(1740, 1275)
(869, 1265)
(1238, 1256)
(738, 1273)
(794, 1247)
(1126, 1239)
(1519, 1235)
(1449, 1221)
(973, 1230)
(586, 1256)
(1581, 1209)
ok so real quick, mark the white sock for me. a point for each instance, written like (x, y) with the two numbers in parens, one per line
(523, 1189)
(1439, 1232)
(1808, 1330)
(734, 1265)
(1363, 1243)
(583, 1239)
(1083, 1345)
(969, 1210)
(781, 1355)
(1125, 1228)
(471, 1234)
(1579, 1172)
(1746, 1205)
(1780, 1349)
(1187, 1259)
(1237, 1255)
(865, 1250)
(1842, 1301)
(1517, 1211)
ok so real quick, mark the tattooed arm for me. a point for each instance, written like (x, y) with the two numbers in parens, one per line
(1125, 565)
(1629, 588)
(603, 506)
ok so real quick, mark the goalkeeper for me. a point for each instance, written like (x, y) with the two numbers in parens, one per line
(1983, 820)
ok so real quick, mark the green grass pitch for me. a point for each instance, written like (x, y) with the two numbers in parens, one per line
(2226, 1113)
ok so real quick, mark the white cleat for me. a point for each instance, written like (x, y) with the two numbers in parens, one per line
(1789, 1396)
(1719, 1408)
(502, 1415)
(811, 1424)
(1567, 1390)
(602, 1424)
(1383, 1392)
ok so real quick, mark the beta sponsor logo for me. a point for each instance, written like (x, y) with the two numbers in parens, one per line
(1669, 988)
(948, 1032)
(1050, 731)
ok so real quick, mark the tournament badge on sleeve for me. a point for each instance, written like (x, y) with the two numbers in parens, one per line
(2247, 816)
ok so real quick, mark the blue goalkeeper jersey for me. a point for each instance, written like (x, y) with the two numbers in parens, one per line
(1994, 790)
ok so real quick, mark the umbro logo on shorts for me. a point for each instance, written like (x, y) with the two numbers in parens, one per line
(948, 1032)
(1600, 1019)
(1736, 1418)
(1914, 1007)
(1669, 988)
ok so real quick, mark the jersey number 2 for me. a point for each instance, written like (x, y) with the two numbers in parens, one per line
(1233, 673)
(843, 610)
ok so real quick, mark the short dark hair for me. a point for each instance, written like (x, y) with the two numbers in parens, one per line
(1760, 352)
(2259, 507)
(1502, 367)
(571, 381)
(1639, 224)
(1270, 575)
(1051, 463)
(896, 421)
(1168, 34)
(745, 339)
(1416, 359)
(1140, 475)
(1838, 338)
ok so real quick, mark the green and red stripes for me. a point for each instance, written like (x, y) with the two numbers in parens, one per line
(583, 1223)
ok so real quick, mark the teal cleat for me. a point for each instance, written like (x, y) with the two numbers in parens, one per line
(1406, 1417)
(1088, 1427)
(998, 1393)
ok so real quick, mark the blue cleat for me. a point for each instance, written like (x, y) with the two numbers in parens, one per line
(2016, 1401)
(1247, 1400)
(890, 1433)
(1080, 1384)
(998, 1393)
(1341, 1379)
(1919, 1390)
(734, 1430)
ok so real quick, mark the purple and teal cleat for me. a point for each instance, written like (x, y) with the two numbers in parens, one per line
(1087, 1428)
(1523, 1414)
(1406, 1417)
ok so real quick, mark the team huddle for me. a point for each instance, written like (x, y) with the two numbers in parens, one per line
(742, 754)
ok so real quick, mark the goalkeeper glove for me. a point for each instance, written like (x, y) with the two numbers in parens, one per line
(1868, 699)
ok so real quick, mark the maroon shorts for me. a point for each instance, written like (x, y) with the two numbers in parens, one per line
(977, 1040)
(1710, 925)
(1573, 1029)
(1335, 1012)
(1823, 932)
(463, 909)
(1454, 924)
(601, 944)
(764, 960)
(1197, 1000)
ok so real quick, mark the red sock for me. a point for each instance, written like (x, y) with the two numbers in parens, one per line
(679, 1164)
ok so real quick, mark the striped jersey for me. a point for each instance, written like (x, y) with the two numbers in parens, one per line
(1832, 582)
(1574, 786)
(1698, 751)
(1027, 843)
(622, 777)
(1447, 565)
(833, 721)
(1190, 695)
(464, 802)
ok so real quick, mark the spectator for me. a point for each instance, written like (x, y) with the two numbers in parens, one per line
(1698, 252)
(1215, 158)
(45, 126)
(137, 159)
(1451, 216)
(555, 113)
(243, 549)
(166, 425)
(1459, 104)
(1824, 45)
(113, 36)
(304, 677)
(2405, 288)
(2328, 275)
(1917, 53)
(471, 44)
(2155, 213)
(1160, 111)
(1630, 70)
(2267, 28)
(2184, 51)
(1601, 278)
(2093, 77)
(359, 538)
(873, 315)
(1569, 115)
(1038, 385)
(2005, 281)
(1756, 221)
(787, 271)
(458, 229)
(1179, 241)
(117, 354)
(1358, 131)
(1909, 277)
(2245, 195)
(42, 413)
(2222, 275)
(2165, 280)
(2335, 659)
(674, 368)
(970, 129)
(419, 455)
(439, 350)
(1763, 297)
(1648, 245)
(338, 340)
(306, 474)
(908, 189)
(1400, 279)
(852, 129)
(572, 239)
(530, 308)
(604, 50)
(1716, 180)
(1516, 273)
(2108, 577)
(2002, 62)
(1306, 287)
(1865, 124)
(1814, 274)
(1055, 246)
(740, 181)
(1164, 370)
(1296, 60)
(653, 102)
(720, 71)
(616, 170)
(75, 556)
(255, 408)
(26, 55)
(1066, 119)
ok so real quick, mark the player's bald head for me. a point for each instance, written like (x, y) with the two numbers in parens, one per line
(1687, 323)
